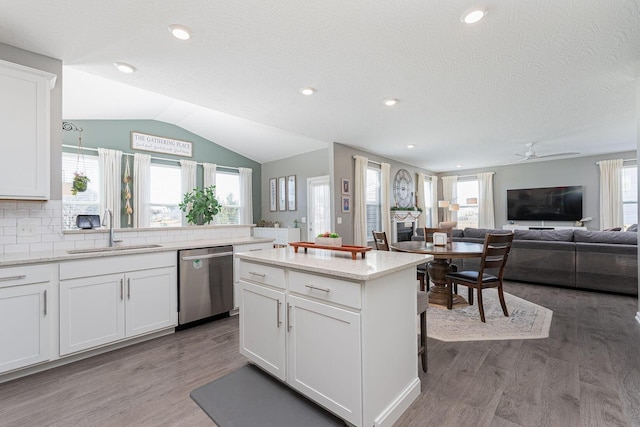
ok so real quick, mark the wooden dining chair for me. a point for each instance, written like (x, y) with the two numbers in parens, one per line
(382, 244)
(494, 255)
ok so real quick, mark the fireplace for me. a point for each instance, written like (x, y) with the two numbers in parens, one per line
(404, 231)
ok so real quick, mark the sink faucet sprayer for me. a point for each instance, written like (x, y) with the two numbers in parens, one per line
(112, 241)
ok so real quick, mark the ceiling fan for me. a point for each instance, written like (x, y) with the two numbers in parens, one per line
(530, 154)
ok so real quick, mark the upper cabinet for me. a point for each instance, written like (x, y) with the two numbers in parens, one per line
(25, 137)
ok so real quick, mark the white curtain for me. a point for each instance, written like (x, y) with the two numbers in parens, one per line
(486, 215)
(422, 219)
(611, 214)
(450, 193)
(141, 190)
(360, 202)
(246, 205)
(385, 197)
(188, 174)
(110, 162)
(209, 174)
(434, 201)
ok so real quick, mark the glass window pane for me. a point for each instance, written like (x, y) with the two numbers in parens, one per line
(468, 213)
(374, 219)
(87, 202)
(630, 195)
(165, 194)
(228, 194)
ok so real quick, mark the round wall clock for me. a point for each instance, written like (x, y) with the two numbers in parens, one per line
(403, 189)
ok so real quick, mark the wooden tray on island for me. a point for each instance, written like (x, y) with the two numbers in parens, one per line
(355, 250)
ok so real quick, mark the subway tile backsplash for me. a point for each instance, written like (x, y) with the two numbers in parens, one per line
(36, 226)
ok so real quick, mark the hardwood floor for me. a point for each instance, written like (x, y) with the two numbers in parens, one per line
(587, 373)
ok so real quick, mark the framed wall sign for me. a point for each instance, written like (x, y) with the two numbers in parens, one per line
(273, 195)
(159, 144)
(291, 192)
(282, 193)
(346, 204)
(346, 186)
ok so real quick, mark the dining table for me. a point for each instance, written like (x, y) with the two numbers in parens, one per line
(441, 264)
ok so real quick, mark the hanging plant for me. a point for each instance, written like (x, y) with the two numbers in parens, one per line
(200, 205)
(80, 181)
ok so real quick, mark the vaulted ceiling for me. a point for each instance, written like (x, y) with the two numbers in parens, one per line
(558, 73)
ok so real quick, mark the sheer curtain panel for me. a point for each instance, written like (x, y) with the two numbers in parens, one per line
(486, 215)
(611, 213)
(450, 193)
(434, 201)
(209, 174)
(421, 223)
(246, 204)
(188, 173)
(110, 165)
(141, 190)
(360, 202)
(385, 197)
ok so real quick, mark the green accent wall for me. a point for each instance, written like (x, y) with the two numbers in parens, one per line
(116, 135)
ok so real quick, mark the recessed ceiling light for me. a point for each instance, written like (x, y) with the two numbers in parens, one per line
(307, 91)
(390, 102)
(410, 146)
(472, 16)
(124, 67)
(180, 31)
(458, 166)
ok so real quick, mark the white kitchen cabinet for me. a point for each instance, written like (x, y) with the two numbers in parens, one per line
(262, 336)
(98, 308)
(348, 329)
(25, 123)
(25, 316)
(280, 236)
(246, 247)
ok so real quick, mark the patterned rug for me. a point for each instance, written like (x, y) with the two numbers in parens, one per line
(526, 320)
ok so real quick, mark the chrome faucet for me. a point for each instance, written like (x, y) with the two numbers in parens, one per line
(112, 241)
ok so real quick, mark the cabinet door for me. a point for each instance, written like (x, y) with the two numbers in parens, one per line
(250, 247)
(262, 327)
(24, 119)
(151, 300)
(91, 312)
(324, 354)
(24, 326)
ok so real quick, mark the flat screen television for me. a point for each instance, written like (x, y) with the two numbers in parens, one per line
(545, 204)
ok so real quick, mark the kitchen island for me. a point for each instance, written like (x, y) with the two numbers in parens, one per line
(342, 332)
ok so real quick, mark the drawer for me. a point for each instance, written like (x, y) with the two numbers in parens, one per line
(251, 247)
(264, 274)
(325, 288)
(26, 275)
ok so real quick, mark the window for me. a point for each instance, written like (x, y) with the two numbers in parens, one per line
(468, 213)
(373, 201)
(630, 195)
(87, 202)
(428, 202)
(165, 193)
(228, 194)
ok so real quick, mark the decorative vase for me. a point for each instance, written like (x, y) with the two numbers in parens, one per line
(329, 241)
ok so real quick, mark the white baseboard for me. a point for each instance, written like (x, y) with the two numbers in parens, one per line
(391, 414)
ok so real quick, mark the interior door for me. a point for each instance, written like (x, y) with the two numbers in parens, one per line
(318, 206)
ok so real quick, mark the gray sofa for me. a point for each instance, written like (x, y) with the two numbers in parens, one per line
(597, 260)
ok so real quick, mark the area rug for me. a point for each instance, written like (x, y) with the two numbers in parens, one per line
(249, 397)
(526, 320)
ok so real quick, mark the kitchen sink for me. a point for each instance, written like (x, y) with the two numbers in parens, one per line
(112, 249)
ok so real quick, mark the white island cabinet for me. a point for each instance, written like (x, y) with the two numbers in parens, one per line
(342, 332)
(26, 315)
(110, 299)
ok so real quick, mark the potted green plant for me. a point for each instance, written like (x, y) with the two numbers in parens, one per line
(201, 205)
(329, 239)
(80, 181)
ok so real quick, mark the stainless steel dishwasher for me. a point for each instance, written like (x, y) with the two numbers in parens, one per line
(205, 285)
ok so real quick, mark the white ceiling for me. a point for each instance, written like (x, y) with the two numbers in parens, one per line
(560, 73)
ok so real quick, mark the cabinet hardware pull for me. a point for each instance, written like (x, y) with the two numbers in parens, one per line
(288, 317)
(318, 289)
(128, 288)
(278, 322)
(253, 273)
(253, 250)
(45, 303)
(121, 290)
(20, 277)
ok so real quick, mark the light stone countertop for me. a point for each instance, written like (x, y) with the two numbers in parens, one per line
(21, 258)
(375, 264)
